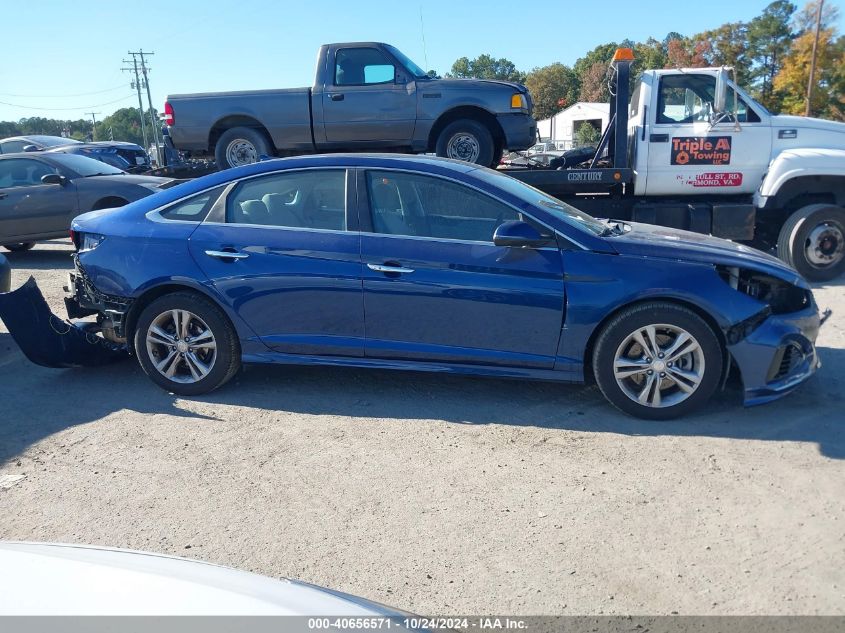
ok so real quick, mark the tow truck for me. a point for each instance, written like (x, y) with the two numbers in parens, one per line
(692, 150)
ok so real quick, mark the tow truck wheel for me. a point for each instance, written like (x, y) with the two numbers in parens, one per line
(240, 146)
(812, 240)
(21, 246)
(186, 345)
(467, 140)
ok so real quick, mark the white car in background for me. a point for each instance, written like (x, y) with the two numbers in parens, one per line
(80, 580)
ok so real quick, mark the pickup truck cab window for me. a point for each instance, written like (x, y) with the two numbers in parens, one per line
(307, 199)
(688, 98)
(362, 67)
(425, 206)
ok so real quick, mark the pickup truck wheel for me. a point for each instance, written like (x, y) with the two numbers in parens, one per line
(467, 140)
(812, 240)
(240, 146)
(21, 246)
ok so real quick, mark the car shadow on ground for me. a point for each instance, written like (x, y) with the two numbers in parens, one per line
(39, 402)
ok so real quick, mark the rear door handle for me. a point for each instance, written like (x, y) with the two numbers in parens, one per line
(336, 96)
(226, 254)
(379, 268)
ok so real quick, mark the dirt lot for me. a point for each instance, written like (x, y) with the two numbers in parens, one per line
(436, 494)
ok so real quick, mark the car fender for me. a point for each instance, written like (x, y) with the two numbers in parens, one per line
(599, 285)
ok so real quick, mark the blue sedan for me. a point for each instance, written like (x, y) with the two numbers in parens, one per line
(428, 264)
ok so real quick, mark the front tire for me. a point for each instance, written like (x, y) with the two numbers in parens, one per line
(19, 247)
(186, 345)
(241, 146)
(657, 361)
(467, 140)
(812, 241)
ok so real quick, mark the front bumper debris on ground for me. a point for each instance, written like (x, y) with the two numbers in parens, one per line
(50, 341)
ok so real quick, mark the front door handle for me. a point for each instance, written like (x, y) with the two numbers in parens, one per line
(226, 254)
(379, 268)
(336, 96)
(2, 195)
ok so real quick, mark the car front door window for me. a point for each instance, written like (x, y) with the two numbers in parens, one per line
(22, 172)
(425, 206)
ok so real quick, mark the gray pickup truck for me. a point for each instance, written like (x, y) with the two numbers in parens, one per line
(367, 96)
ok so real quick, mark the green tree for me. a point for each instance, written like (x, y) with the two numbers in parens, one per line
(553, 88)
(586, 134)
(125, 125)
(770, 36)
(486, 67)
(727, 45)
(790, 84)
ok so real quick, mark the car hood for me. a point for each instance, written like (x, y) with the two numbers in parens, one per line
(800, 122)
(131, 179)
(648, 240)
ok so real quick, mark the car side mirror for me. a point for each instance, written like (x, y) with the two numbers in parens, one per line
(518, 234)
(721, 95)
(54, 179)
(30, 148)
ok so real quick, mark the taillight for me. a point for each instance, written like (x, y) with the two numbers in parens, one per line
(169, 117)
(73, 239)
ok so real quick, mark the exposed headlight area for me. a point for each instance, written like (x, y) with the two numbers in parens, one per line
(781, 296)
(774, 348)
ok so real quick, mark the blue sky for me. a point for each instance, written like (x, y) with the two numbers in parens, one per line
(64, 49)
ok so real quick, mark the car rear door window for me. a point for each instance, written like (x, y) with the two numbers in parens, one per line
(426, 206)
(303, 199)
(22, 172)
(194, 209)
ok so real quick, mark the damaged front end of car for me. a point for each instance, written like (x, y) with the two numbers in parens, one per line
(773, 349)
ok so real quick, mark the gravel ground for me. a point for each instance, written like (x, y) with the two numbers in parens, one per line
(435, 494)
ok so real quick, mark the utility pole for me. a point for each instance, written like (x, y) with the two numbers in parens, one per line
(155, 132)
(137, 85)
(813, 61)
(94, 121)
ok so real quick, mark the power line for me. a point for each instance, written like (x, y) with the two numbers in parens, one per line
(98, 105)
(79, 94)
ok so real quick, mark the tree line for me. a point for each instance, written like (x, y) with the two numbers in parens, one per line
(770, 54)
(122, 125)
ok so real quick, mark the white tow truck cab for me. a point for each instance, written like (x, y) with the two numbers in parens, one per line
(693, 150)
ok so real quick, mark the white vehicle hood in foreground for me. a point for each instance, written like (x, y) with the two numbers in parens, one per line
(52, 579)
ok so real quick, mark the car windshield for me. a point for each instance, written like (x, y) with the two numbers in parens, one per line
(415, 70)
(53, 141)
(85, 166)
(535, 197)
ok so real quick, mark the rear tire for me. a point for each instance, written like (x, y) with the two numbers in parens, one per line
(812, 241)
(467, 140)
(186, 344)
(241, 146)
(19, 247)
(657, 361)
